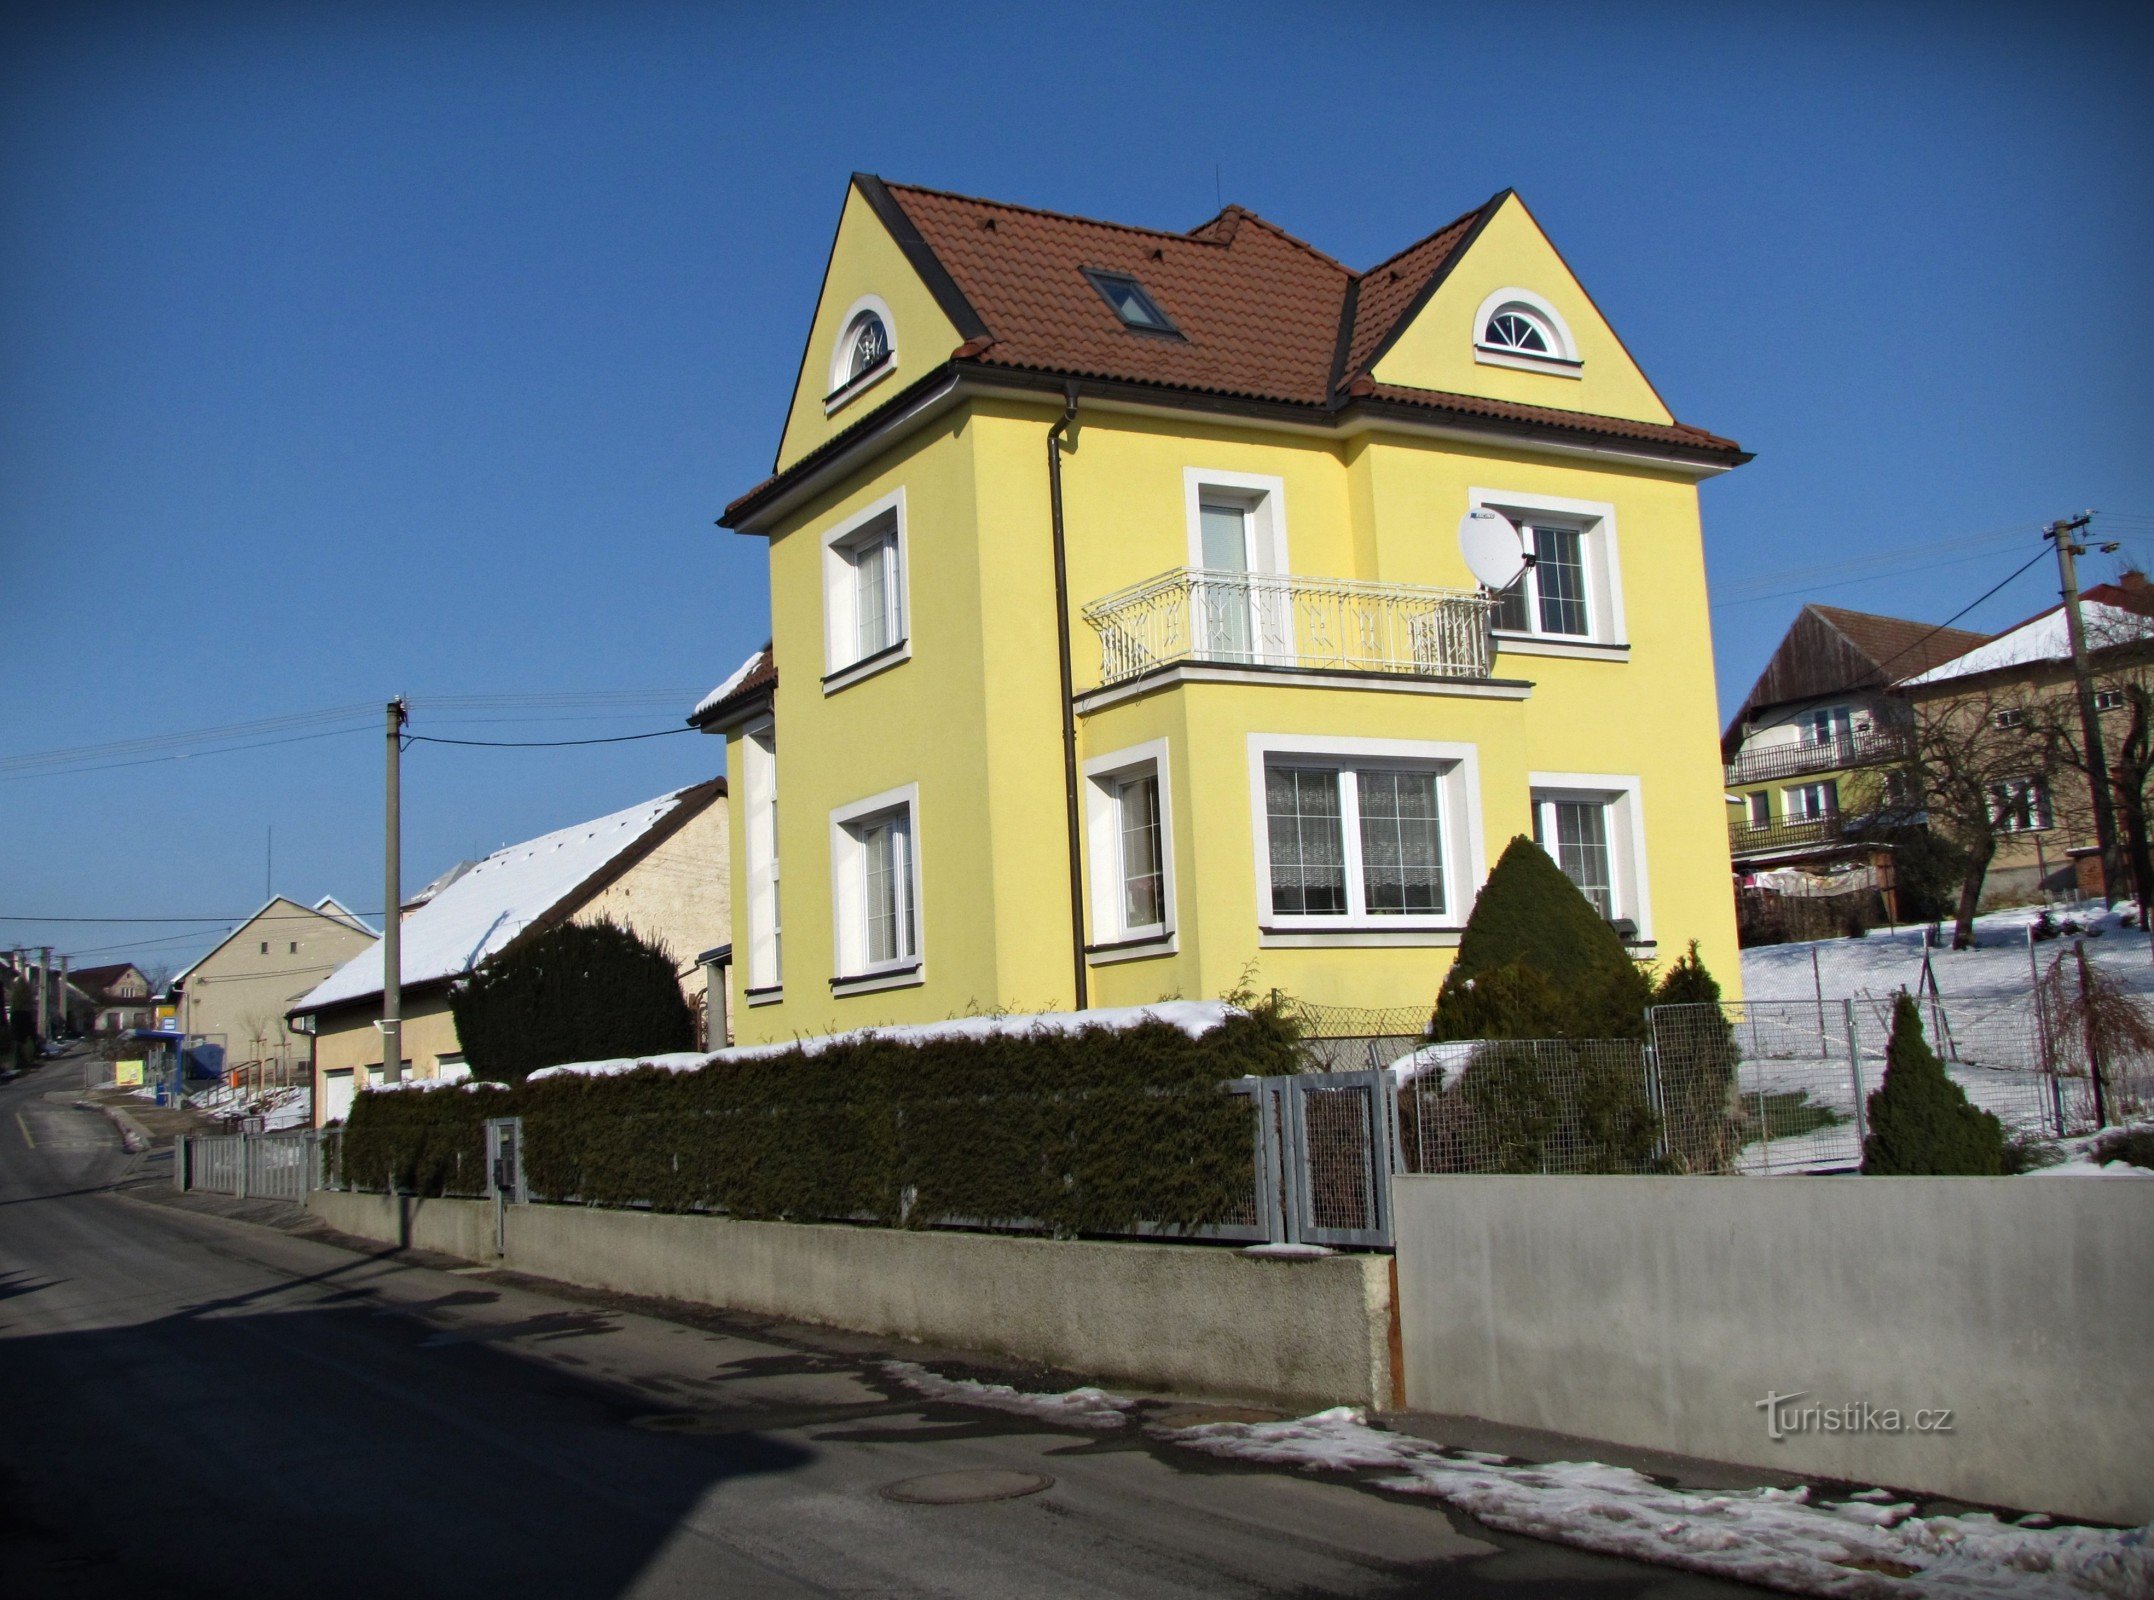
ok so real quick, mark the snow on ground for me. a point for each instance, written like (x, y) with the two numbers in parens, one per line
(1093, 1409)
(1888, 960)
(1193, 1017)
(280, 1109)
(1781, 1538)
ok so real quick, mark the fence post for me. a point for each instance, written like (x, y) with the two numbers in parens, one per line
(246, 1151)
(1854, 1075)
(1655, 1090)
(179, 1163)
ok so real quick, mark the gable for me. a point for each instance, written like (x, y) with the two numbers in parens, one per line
(1434, 347)
(865, 259)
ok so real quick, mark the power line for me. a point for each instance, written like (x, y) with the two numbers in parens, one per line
(545, 744)
(231, 921)
(2039, 555)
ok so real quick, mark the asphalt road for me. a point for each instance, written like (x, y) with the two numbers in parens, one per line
(193, 1406)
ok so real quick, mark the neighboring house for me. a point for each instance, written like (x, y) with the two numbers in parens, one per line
(118, 996)
(1128, 646)
(659, 868)
(1809, 750)
(413, 902)
(2020, 681)
(237, 995)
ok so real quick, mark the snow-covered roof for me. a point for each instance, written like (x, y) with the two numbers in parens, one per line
(330, 906)
(733, 680)
(2042, 638)
(478, 914)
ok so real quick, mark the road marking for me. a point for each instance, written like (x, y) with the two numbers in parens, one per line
(28, 1136)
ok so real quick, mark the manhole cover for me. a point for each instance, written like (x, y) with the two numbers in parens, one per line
(966, 1488)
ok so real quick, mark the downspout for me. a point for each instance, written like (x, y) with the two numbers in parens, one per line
(1069, 695)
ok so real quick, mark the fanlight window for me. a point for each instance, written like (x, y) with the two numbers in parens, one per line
(1515, 328)
(869, 342)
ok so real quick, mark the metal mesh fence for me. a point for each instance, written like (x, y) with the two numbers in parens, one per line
(1529, 1105)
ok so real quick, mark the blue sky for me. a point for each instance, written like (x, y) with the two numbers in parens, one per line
(348, 351)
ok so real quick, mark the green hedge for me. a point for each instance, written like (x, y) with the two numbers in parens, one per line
(1085, 1132)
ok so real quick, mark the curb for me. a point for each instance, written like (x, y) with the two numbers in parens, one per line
(134, 1138)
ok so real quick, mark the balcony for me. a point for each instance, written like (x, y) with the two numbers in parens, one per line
(1787, 833)
(1824, 755)
(1279, 621)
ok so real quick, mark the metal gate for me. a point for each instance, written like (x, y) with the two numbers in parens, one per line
(1326, 1146)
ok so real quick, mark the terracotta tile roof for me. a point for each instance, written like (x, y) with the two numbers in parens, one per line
(1392, 288)
(1679, 434)
(757, 683)
(1258, 311)
(1261, 315)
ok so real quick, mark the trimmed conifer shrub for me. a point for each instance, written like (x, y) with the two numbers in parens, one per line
(1698, 1059)
(579, 992)
(1067, 1133)
(1921, 1124)
(1529, 916)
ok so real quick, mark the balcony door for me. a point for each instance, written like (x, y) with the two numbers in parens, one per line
(1225, 596)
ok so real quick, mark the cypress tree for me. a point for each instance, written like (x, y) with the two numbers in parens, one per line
(1531, 919)
(579, 992)
(1921, 1124)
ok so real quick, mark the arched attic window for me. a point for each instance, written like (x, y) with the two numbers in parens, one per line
(1517, 328)
(865, 351)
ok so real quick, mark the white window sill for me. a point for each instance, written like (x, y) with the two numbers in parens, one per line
(1142, 947)
(867, 666)
(764, 997)
(1548, 644)
(1554, 366)
(839, 399)
(1355, 935)
(905, 977)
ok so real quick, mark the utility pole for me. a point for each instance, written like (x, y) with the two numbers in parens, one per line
(60, 992)
(44, 990)
(2090, 722)
(392, 935)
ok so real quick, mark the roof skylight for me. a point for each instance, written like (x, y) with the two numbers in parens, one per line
(1127, 297)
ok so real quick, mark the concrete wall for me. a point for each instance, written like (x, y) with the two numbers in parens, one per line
(1191, 1318)
(1659, 1312)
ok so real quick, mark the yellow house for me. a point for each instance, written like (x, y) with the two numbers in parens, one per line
(1128, 647)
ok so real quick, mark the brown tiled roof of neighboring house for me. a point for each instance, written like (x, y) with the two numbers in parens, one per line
(1900, 648)
(756, 686)
(94, 981)
(1262, 317)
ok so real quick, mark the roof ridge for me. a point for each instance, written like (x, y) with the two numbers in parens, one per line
(1396, 255)
(1066, 216)
(1291, 238)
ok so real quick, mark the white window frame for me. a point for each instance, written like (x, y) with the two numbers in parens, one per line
(1791, 813)
(843, 388)
(854, 973)
(1271, 622)
(1112, 938)
(2109, 699)
(1562, 362)
(843, 666)
(763, 974)
(1464, 850)
(1600, 552)
(1758, 810)
(1621, 794)
(1839, 719)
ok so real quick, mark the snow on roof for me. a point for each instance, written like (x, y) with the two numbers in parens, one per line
(483, 910)
(330, 906)
(2043, 638)
(1193, 1017)
(732, 681)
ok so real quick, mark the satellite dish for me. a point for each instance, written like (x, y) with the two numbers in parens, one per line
(1494, 553)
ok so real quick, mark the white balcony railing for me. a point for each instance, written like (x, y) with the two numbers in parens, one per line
(1266, 619)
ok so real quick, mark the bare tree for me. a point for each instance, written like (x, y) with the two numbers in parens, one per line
(1970, 754)
(2120, 653)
